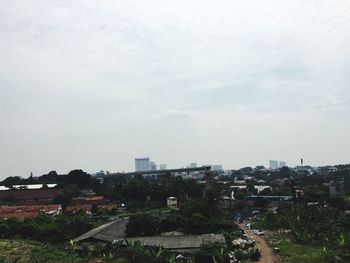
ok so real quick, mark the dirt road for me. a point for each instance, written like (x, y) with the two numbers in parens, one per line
(267, 255)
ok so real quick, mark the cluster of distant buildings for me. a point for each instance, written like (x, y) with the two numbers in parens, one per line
(274, 164)
(23, 201)
(145, 164)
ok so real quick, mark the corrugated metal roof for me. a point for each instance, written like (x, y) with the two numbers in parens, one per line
(116, 231)
(182, 244)
(107, 232)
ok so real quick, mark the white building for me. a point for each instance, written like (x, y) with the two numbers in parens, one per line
(193, 165)
(162, 167)
(336, 189)
(216, 167)
(261, 188)
(273, 164)
(142, 164)
(282, 164)
(172, 202)
(152, 166)
(28, 186)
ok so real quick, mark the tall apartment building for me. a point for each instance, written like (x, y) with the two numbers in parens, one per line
(281, 164)
(216, 167)
(152, 166)
(162, 167)
(193, 165)
(142, 164)
(273, 164)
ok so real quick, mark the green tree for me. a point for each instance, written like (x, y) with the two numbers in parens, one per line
(142, 225)
(79, 178)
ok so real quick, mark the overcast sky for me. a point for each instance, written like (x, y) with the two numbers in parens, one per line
(94, 84)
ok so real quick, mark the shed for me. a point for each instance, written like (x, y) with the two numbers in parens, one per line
(105, 233)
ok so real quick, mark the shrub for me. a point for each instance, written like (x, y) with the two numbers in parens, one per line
(142, 225)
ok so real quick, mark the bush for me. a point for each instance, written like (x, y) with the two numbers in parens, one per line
(241, 254)
(197, 224)
(143, 225)
(172, 223)
(4, 230)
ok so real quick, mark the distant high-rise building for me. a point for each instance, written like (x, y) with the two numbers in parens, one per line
(152, 166)
(216, 167)
(273, 164)
(193, 165)
(282, 164)
(336, 189)
(142, 164)
(162, 166)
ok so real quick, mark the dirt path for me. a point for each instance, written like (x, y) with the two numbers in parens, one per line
(267, 255)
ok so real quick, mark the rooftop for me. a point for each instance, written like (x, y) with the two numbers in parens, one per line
(31, 194)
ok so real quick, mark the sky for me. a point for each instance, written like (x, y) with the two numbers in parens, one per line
(94, 84)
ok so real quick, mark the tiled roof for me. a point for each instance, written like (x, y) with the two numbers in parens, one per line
(72, 208)
(107, 207)
(89, 198)
(20, 215)
(87, 207)
(31, 194)
(26, 210)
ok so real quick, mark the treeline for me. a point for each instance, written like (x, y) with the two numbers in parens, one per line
(77, 177)
(141, 189)
(149, 225)
(136, 192)
(45, 229)
(195, 217)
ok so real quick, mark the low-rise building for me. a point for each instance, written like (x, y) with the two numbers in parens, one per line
(172, 202)
(87, 208)
(336, 189)
(260, 188)
(96, 199)
(24, 211)
(116, 232)
(30, 196)
(325, 170)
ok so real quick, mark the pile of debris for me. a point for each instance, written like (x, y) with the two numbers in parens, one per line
(244, 248)
(243, 243)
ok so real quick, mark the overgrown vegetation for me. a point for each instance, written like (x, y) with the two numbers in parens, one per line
(292, 252)
(12, 251)
(312, 226)
(42, 228)
(149, 225)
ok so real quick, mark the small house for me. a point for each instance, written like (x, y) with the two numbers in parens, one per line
(172, 202)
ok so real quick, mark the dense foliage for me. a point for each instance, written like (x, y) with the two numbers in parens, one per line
(43, 228)
(148, 225)
(310, 224)
(24, 251)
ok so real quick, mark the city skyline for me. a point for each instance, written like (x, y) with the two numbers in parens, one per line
(164, 166)
(91, 85)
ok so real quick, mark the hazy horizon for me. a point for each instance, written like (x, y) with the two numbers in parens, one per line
(94, 84)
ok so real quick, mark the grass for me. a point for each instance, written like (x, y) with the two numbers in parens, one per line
(33, 251)
(292, 252)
